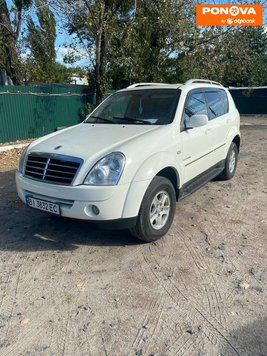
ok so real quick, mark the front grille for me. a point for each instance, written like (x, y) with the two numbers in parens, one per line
(53, 168)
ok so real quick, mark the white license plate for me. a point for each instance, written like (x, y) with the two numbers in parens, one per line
(43, 205)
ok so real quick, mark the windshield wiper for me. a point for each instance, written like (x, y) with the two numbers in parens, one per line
(131, 120)
(98, 118)
(122, 119)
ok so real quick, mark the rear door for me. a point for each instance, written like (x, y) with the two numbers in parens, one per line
(219, 120)
(196, 142)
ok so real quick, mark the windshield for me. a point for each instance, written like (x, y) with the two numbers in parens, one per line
(137, 107)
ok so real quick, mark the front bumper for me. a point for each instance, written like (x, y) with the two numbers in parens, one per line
(76, 201)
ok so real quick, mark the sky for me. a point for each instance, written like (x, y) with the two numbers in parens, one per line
(62, 45)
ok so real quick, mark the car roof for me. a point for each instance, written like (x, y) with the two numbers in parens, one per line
(190, 84)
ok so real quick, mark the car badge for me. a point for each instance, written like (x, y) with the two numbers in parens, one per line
(57, 147)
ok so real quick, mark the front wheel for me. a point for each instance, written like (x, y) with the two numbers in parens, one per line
(156, 212)
(230, 163)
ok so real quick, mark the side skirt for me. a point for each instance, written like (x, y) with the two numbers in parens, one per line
(201, 180)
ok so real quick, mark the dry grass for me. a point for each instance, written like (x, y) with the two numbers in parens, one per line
(18, 142)
(9, 159)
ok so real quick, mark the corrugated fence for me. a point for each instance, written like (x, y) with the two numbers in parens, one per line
(33, 111)
(250, 101)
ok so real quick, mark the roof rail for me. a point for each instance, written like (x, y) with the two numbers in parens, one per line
(144, 85)
(191, 81)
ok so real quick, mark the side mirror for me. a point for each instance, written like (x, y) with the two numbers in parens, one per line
(196, 121)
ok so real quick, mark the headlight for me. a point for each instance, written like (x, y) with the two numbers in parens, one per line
(107, 171)
(22, 160)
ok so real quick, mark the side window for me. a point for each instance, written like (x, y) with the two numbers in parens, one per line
(217, 102)
(195, 104)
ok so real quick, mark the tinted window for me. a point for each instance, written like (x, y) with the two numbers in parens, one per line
(146, 106)
(217, 103)
(117, 107)
(196, 104)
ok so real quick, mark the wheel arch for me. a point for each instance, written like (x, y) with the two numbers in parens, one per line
(232, 136)
(237, 141)
(160, 164)
(173, 176)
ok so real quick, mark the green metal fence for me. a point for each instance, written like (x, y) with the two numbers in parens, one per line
(33, 111)
(250, 101)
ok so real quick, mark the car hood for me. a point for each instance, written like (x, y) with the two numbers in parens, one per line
(89, 141)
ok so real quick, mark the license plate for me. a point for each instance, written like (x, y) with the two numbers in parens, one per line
(43, 205)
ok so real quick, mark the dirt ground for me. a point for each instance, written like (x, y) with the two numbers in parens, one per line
(68, 288)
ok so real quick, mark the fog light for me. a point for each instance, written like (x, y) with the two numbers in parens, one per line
(95, 209)
(91, 210)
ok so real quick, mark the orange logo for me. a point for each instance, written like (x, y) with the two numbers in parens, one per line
(229, 15)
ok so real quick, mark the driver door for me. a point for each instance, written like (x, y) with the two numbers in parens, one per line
(197, 147)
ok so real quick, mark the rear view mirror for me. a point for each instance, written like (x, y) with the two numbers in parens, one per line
(196, 121)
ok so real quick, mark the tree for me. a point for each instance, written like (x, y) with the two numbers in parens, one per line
(41, 38)
(163, 44)
(159, 30)
(126, 41)
(247, 64)
(157, 40)
(41, 66)
(237, 58)
(10, 27)
(94, 23)
(53, 73)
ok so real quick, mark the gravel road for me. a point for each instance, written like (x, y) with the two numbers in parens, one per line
(68, 288)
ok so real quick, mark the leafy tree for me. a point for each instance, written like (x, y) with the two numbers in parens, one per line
(153, 41)
(10, 27)
(163, 44)
(248, 65)
(53, 72)
(237, 58)
(41, 41)
(158, 31)
(42, 37)
(94, 22)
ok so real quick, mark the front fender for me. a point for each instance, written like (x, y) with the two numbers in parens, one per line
(143, 177)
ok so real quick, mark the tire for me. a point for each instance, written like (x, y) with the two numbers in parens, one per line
(156, 212)
(230, 163)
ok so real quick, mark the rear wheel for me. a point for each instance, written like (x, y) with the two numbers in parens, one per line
(230, 163)
(157, 210)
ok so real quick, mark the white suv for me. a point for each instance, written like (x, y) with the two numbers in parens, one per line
(136, 154)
